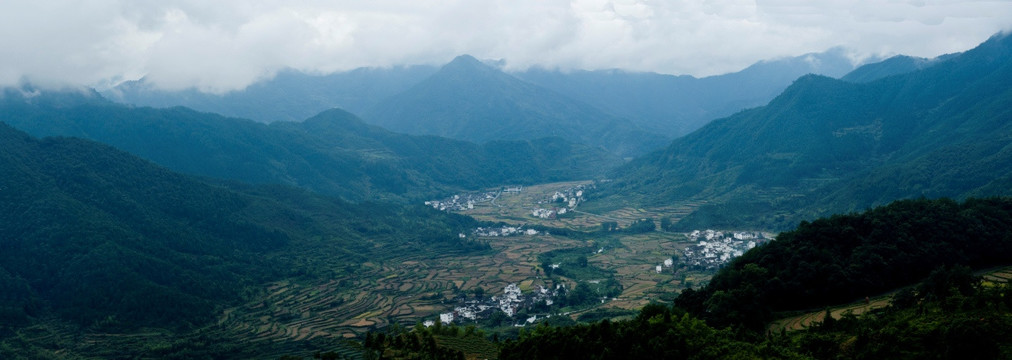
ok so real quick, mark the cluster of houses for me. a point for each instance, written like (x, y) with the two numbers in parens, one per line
(461, 202)
(542, 213)
(510, 303)
(714, 249)
(503, 231)
(667, 264)
(467, 201)
(565, 200)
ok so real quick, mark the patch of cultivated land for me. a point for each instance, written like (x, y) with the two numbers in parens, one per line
(404, 290)
(408, 288)
(516, 208)
(997, 275)
(411, 287)
(633, 261)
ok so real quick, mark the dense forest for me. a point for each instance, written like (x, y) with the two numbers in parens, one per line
(849, 257)
(948, 313)
(102, 239)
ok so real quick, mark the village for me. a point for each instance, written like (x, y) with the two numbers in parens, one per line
(502, 231)
(563, 201)
(511, 302)
(714, 249)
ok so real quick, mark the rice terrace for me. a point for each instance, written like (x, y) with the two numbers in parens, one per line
(407, 289)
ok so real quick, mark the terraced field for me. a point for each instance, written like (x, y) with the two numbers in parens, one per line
(807, 320)
(298, 315)
(404, 289)
(633, 258)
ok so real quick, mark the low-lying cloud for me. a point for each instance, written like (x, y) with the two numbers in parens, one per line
(218, 46)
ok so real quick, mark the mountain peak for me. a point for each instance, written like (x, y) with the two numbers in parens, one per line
(468, 64)
(465, 59)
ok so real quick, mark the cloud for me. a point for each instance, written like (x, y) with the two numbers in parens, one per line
(218, 46)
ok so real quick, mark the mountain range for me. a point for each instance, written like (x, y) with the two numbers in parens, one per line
(333, 152)
(827, 146)
(483, 102)
(469, 100)
(120, 222)
(676, 105)
(288, 96)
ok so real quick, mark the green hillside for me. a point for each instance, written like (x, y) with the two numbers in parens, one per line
(98, 240)
(827, 146)
(332, 153)
(926, 250)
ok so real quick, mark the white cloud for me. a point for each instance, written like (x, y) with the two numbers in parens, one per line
(227, 44)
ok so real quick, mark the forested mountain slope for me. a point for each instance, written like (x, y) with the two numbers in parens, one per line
(332, 153)
(924, 249)
(827, 146)
(97, 236)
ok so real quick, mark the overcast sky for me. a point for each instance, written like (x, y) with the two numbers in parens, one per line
(222, 45)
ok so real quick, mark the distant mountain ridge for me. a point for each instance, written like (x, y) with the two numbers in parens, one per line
(666, 105)
(469, 100)
(289, 96)
(676, 105)
(895, 65)
(828, 146)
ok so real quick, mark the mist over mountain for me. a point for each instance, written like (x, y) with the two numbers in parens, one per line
(899, 64)
(826, 146)
(333, 153)
(289, 96)
(676, 105)
(668, 105)
(469, 100)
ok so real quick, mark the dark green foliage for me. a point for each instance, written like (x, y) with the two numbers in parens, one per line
(657, 333)
(970, 322)
(333, 153)
(848, 257)
(949, 315)
(573, 263)
(105, 240)
(826, 146)
(436, 342)
(641, 226)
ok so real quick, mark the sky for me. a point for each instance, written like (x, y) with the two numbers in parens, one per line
(223, 45)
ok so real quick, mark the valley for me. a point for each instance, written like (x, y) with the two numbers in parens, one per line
(406, 287)
(474, 210)
(411, 287)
